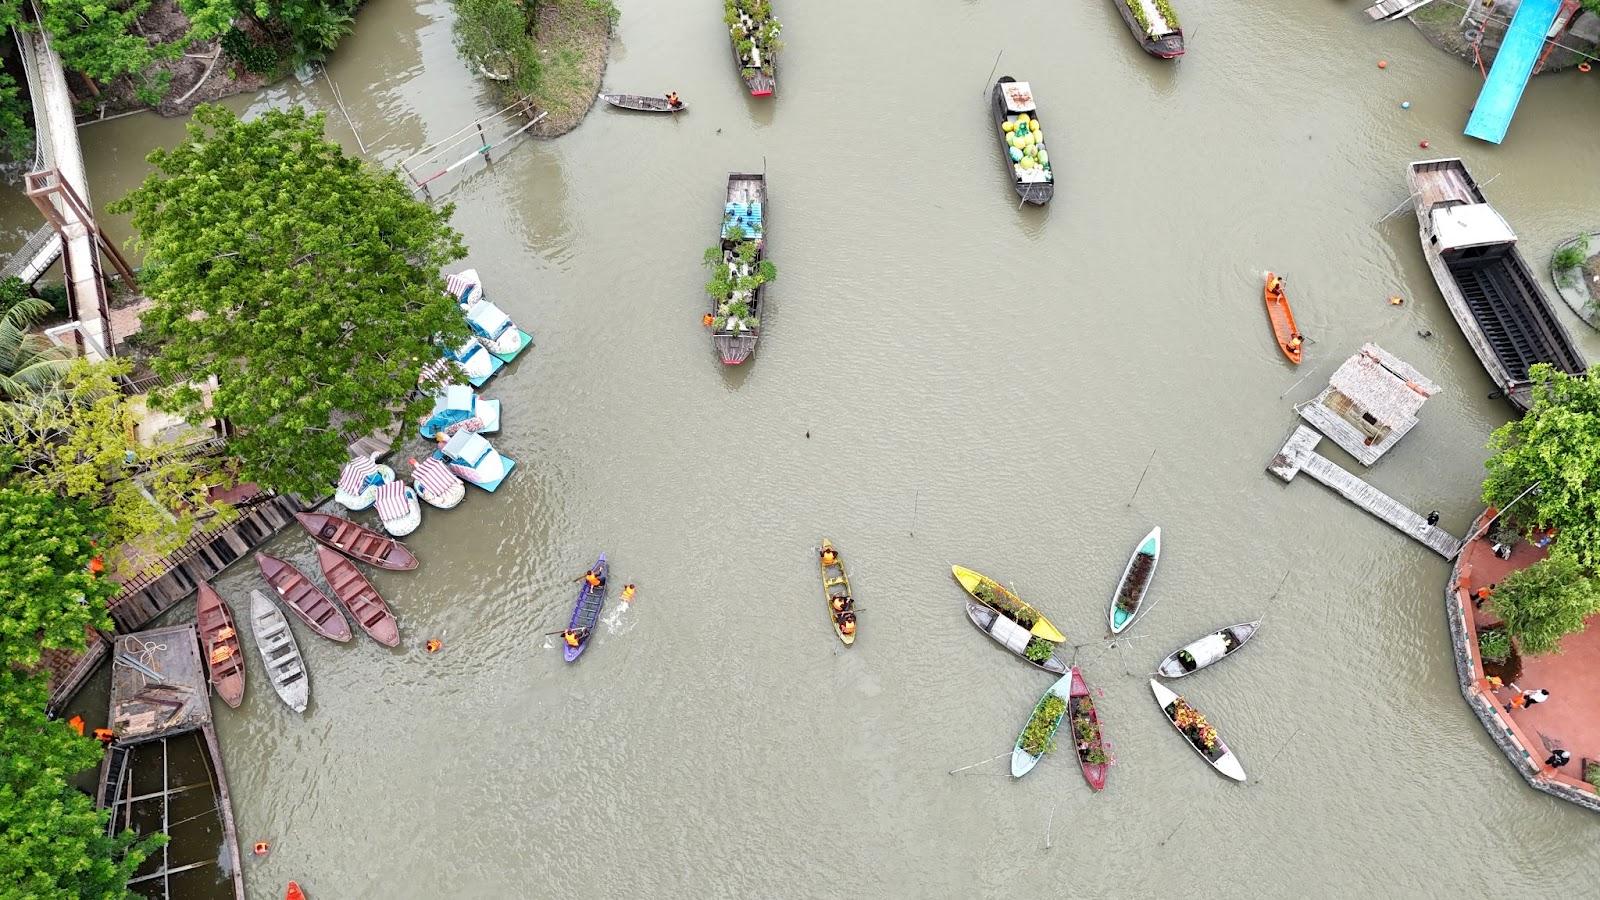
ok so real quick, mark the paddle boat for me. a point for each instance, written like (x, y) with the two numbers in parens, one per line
(458, 408)
(474, 460)
(398, 508)
(436, 484)
(489, 323)
(475, 361)
(359, 481)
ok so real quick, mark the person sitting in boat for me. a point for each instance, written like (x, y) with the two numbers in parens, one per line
(573, 637)
(1275, 286)
(841, 602)
(828, 556)
(847, 623)
(1295, 340)
(672, 99)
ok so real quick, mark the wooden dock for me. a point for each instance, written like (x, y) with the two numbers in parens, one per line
(1299, 454)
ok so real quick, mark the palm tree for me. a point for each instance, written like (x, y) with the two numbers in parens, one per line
(27, 360)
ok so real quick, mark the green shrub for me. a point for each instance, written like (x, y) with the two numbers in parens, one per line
(262, 59)
(1572, 257)
(1494, 645)
(1037, 735)
(1038, 649)
(1591, 774)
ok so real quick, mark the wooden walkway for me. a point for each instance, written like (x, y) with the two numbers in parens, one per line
(1299, 454)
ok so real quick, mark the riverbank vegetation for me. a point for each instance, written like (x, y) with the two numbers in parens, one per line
(552, 52)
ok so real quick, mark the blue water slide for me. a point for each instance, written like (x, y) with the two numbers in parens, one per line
(1513, 66)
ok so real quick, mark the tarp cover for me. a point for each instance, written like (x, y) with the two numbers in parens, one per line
(1207, 650)
(352, 480)
(392, 501)
(1019, 96)
(459, 284)
(1010, 633)
(434, 477)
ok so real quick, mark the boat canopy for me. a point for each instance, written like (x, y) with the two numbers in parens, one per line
(393, 501)
(464, 285)
(467, 447)
(1019, 96)
(1470, 225)
(488, 320)
(1208, 650)
(1011, 634)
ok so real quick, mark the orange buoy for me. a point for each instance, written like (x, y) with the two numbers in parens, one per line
(433, 645)
(1396, 300)
(1422, 144)
(261, 848)
(1584, 67)
(1383, 64)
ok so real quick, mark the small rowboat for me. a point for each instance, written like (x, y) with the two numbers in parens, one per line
(1283, 327)
(1013, 99)
(994, 595)
(1012, 636)
(219, 640)
(1022, 760)
(836, 593)
(1202, 652)
(306, 599)
(357, 541)
(1087, 739)
(279, 652)
(641, 103)
(1127, 602)
(359, 596)
(586, 613)
(1219, 756)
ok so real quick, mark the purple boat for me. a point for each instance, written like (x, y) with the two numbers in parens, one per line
(586, 615)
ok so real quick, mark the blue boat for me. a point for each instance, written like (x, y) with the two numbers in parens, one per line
(586, 614)
(475, 460)
(476, 361)
(490, 324)
(1022, 761)
(457, 408)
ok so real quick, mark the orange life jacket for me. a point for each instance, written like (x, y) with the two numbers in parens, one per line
(593, 579)
(571, 637)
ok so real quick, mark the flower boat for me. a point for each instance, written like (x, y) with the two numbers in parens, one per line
(475, 461)
(1127, 602)
(436, 484)
(359, 481)
(1022, 152)
(754, 33)
(994, 595)
(1038, 734)
(1086, 735)
(1203, 651)
(586, 612)
(490, 324)
(458, 408)
(398, 508)
(1154, 24)
(1197, 732)
(1037, 651)
(741, 269)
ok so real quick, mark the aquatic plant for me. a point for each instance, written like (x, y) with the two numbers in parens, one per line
(1038, 649)
(1494, 645)
(1573, 256)
(1038, 735)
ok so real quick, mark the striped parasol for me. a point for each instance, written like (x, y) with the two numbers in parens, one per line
(458, 285)
(353, 478)
(435, 478)
(392, 502)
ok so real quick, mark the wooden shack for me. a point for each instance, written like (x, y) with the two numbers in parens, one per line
(1370, 403)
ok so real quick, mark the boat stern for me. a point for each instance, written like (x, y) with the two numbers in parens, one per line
(1228, 765)
(1021, 762)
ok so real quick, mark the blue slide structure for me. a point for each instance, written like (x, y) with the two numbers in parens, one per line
(1513, 65)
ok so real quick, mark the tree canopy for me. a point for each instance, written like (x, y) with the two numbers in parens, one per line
(1545, 602)
(26, 359)
(47, 592)
(307, 283)
(496, 37)
(1556, 446)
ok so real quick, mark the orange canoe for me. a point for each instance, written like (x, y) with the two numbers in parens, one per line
(1283, 327)
(294, 892)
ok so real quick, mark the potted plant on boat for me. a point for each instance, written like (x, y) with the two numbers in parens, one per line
(1194, 726)
(1038, 736)
(1038, 649)
(736, 274)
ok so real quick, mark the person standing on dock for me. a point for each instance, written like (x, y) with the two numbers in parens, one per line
(1433, 518)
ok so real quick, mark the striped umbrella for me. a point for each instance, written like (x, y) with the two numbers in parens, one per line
(435, 478)
(392, 503)
(353, 478)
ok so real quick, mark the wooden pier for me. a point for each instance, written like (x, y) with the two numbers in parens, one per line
(1299, 454)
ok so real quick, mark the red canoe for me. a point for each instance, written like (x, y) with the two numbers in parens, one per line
(219, 643)
(306, 599)
(1081, 707)
(359, 596)
(357, 541)
(294, 892)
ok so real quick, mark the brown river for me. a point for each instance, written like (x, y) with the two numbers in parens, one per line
(943, 379)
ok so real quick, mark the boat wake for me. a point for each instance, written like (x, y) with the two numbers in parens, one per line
(614, 623)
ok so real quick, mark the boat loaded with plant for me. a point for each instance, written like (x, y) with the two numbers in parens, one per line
(754, 33)
(1038, 736)
(1022, 152)
(1086, 736)
(1202, 652)
(1127, 603)
(1197, 731)
(1007, 633)
(836, 593)
(1154, 24)
(994, 595)
(740, 269)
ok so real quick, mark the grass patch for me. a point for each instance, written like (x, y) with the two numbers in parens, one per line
(573, 38)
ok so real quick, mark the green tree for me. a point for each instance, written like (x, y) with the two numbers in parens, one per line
(47, 593)
(1545, 602)
(1556, 446)
(304, 281)
(55, 843)
(496, 36)
(311, 28)
(16, 138)
(26, 360)
(101, 40)
(208, 18)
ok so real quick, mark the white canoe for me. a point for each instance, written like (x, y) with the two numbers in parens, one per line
(1221, 758)
(1204, 651)
(279, 651)
(1118, 618)
(1022, 762)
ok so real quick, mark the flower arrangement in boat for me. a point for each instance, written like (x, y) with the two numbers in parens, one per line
(1193, 725)
(1037, 734)
(1088, 734)
(1133, 586)
(736, 274)
(1038, 649)
(1000, 599)
(754, 32)
(1163, 7)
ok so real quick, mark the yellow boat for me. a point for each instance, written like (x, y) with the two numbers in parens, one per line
(836, 593)
(994, 595)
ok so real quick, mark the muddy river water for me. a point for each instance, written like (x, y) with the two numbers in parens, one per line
(943, 379)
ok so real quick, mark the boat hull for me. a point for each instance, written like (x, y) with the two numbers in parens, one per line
(586, 612)
(214, 621)
(1094, 773)
(1172, 666)
(1032, 193)
(357, 541)
(1168, 46)
(841, 582)
(988, 620)
(1282, 319)
(1117, 618)
(304, 598)
(970, 580)
(365, 604)
(280, 652)
(642, 103)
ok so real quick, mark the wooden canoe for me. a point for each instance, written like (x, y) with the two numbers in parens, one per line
(1127, 601)
(836, 586)
(305, 598)
(1219, 756)
(642, 103)
(1022, 761)
(357, 541)
(1160, 42)
(358, 595)
(1203, 651)
(1081, 708)
(219, 644)
(994, 595)
(280, 652)
(1283, 327)
(1011, 636)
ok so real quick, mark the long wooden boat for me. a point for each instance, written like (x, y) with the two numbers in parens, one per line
(994, 595)
(357, 541)
(304, 598)
(642, 103)
(1127, 601)
(219, 641)
(1203, 651)
(280, 652)
(586, 612)
(1218, 754)
(760, 71)
(746, 209)
(1012, 102)
(836, 593)
(1282, 318)
(1012, 636)
(1023, 761)
(1087, 738)
(358, 595)
(1160, 36)
(1490, 290)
